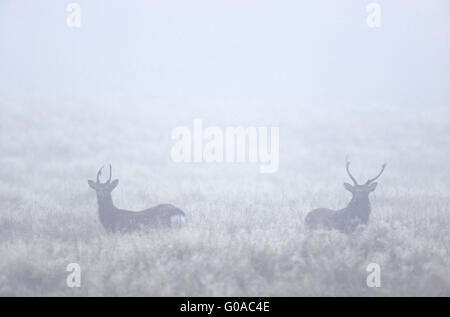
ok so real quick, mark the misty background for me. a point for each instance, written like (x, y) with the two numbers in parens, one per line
(281, 52)
(112, 91)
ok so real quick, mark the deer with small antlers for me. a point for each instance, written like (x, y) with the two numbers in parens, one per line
(356, 213)
(114, 219)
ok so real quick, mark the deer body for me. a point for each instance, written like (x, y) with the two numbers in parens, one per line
(114, 219)
(348, 219)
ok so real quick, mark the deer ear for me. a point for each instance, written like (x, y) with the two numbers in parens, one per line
(348, 187)
(114, 183)
(372, 186)
(91, 184)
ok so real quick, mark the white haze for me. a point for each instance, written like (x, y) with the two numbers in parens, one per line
(72, 100)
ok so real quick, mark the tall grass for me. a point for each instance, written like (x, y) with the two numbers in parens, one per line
(244, 233)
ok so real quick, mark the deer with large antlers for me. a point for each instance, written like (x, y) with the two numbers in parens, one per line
(114, 219)
(356, 213)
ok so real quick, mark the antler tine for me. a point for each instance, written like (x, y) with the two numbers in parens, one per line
(379, 174)
(98, 174)
(110, 173)
(347, 164)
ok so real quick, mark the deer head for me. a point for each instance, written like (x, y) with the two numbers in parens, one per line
(103, 189)
(362, 191)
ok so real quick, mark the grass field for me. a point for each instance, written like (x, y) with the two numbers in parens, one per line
(244, 233)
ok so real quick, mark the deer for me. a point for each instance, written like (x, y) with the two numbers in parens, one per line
(114, 219)
(354, 216)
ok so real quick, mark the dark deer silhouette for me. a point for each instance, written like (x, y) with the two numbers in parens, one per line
(120, 220)
(356, 213)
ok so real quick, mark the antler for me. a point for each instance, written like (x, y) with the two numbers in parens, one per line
(110, 173)
(98, 174)
(379, 174)
(347, 164)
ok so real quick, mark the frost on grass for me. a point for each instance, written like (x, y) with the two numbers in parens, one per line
(245, 234)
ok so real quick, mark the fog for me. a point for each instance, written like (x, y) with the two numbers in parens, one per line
(114, 91)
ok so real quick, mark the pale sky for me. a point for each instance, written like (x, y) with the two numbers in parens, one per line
(279, 51)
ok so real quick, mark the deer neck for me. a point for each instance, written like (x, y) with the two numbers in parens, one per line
(359, 207)
(105, 207)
